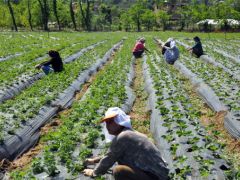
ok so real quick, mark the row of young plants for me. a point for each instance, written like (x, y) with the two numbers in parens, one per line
(16, 43)
(20, 42)
(24, 45)
(202, 89)
(228, 51)
(24, 81)
(227, 89)
(78, 136)
(16, 112)
(18, 86)
(185, 145)
(224, 59)
(231, 118)
(231, 48)
(210, 50)
(19, 67)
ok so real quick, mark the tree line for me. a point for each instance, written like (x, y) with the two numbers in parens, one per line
(112, 15)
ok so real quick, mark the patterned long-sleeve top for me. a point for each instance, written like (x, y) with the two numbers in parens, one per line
(133, 149)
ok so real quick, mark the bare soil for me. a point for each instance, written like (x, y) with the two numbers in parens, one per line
(139, 115)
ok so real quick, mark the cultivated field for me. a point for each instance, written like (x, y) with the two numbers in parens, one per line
(49, 124)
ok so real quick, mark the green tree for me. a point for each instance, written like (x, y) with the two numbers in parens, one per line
(163, 18)
(12, 15)
(29, 14)
(45, 13)
(86, 13)
(72, 14)
(56, 13)
(4, 14)
(126, 21)
(148, 19)
(106, 11)
(136, 12)
(185, 16)
(116, 13)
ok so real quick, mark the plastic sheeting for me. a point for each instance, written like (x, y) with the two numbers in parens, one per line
(63, 171)
(81, 52)
(207, 94)
(126, 106)
(231, 120)
(26, 82)
(210, 60)
(10, 56)
(158, 130)
(183, 44)
(28, 136)
(40, 58)
(232, 124)
(232, 58)
(158, 41)
(17, 87)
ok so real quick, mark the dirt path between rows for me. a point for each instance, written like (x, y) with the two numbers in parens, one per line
(139, 115)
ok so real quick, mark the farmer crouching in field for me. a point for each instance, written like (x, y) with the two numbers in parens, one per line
(197, 49)
(139, 48)
(137, 157)
(55, 62)
(170, 51)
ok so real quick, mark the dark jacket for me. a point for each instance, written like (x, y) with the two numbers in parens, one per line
(197, 49)
(56, 64)
(133, 149)
(164, 49)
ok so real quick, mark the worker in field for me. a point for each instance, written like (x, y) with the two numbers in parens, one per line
(197, 49)
(170, 51)
(139, 48)
(54, 64)
(137, 157)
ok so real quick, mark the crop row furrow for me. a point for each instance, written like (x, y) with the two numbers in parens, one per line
(26, 81)
(228, 90)
(78, 136)
(27, 104)
(25, 65)
(218, 60)
(176, 126)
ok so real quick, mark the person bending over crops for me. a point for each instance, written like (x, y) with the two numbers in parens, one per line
(137, 157)
(55, 62)
(197, 49)
(170, 51)
(139, 48)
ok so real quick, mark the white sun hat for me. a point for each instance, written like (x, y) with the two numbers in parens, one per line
(119, 117)
(172, 42)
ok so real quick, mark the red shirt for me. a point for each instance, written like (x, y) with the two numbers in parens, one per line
(139, 46)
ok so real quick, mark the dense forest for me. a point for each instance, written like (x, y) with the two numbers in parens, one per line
(117, 15)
